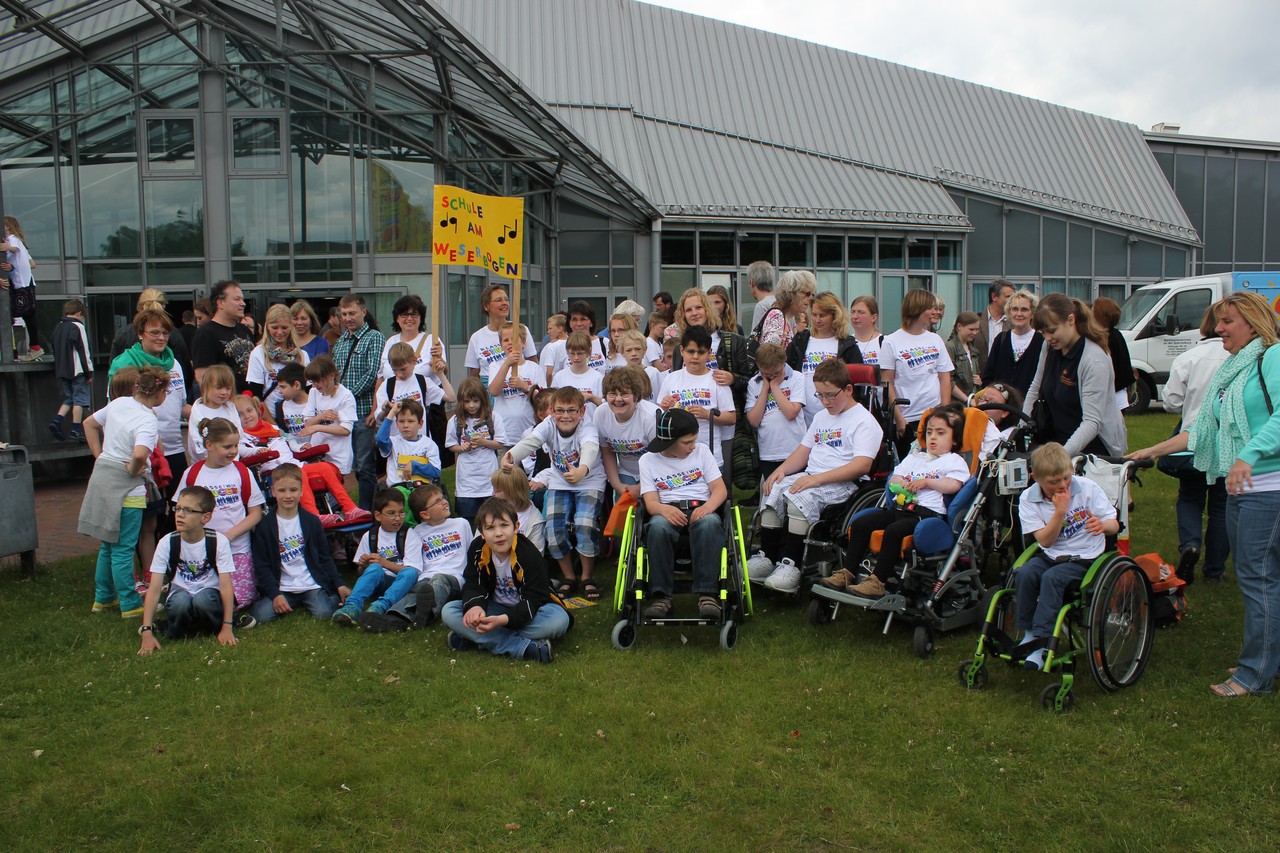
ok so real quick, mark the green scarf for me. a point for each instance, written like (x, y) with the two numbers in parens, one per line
(136, 356)
(1218, 442)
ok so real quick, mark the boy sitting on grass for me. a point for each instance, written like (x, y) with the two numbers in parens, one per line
(1070, 517)
(439, 544)
(200, 596)
(507, 605)
(388, 567)
(681, 486)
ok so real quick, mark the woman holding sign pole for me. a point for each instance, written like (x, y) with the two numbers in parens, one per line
(484, 350)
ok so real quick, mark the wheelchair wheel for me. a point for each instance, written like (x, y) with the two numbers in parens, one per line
(1119, 634)
(922, 641)
(821, 610)
(729, 635)
(624, 635)
(1050, 701)
(972, 680)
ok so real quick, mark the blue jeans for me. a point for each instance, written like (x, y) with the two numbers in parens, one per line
(551, 621)
(466, 508)
(317, 602)
(113, 577)
(1253, 526)
(375, 583)
(1041, 585)
(706, 539)
(1193, 493)
(364, 460)
(193, 614)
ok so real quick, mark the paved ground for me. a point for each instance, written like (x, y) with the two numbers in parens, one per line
(57, 512)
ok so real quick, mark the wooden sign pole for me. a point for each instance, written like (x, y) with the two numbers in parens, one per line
(515, 310)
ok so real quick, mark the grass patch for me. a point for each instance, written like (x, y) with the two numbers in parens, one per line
(833, 738)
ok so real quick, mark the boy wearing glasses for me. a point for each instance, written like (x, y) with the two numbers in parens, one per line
(439, 543)
(388, 567)
(837, 450)
(578, 374)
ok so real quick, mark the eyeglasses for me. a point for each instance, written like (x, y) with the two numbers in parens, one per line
(392, 513)
(156, 333)
(566, 411)
(186, 510)
(808, 293)
(827, 396)
(435, 503)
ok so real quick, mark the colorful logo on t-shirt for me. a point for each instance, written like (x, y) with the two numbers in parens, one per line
(1074, 522)
(176, 384)
(293, 424)
(916, 356)
(687, 398)
(291, 547)
(509, 391)
(492, 354)
(474, 433)
(771, 405)
(813, 359)
(871, 355)
(676, 481)
(833, 437)
(713, 363)
(225, 496)
(628, 447)
(436, 545)
(565, 460)
(596, 361)
(191, 571)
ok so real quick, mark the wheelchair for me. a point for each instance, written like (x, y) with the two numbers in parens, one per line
(1105, 620)
(631, 587)
(938, 586)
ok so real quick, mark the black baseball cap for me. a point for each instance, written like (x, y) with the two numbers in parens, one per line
(673, 424)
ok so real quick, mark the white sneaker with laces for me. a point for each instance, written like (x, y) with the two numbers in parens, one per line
(785, 578)
(759, 566)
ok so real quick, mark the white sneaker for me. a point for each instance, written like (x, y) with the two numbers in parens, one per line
(759, 566)
(785, 578)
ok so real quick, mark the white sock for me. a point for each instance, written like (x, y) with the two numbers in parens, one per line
(1027, 637)
(1036, 658)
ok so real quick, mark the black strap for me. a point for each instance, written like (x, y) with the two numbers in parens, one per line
(350, 353)
(401, 535)
(280, 416)
(210, 551)
(1266, 395)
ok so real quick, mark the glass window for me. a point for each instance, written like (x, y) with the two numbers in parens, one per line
(261, 271)
(1250, 210)
(892, 289)
(624, 249)
(1110, 254)
(584, 277)
(624, 277)
(171, 144)
(109, 215)
(1080, 250)
(1175, 263)
(715, 248)
(1219, 208)
(1054, 285)
(175, 219)
(862, 253)
(323, 269)
(257, 143)
(177, 274)
(1022, 243)
(950, 255)
(259, 216)
(1273, 213)
(948, 286)
(677, 248)
(859, 284)
(1189, 186)
(31, 194)
(795, 251)
(757, 247)
(462, 299)
(832, 280)
(1165, 159)
(114, 275)
(831, 252)
(892, 253)
(401, 200)
(108, 314)
(1114, 291)
(1144, 260)
(1188, 307)
(986, 243)
(584, 248)
(919, 254)
(677, 282)
(1080, 288)
(575, 216)
(1054, 237)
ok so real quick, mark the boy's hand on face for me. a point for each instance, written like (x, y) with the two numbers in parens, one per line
(1062, 501)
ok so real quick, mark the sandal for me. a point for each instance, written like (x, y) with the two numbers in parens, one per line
(566, 587)
(590, 590)
(1229, 689)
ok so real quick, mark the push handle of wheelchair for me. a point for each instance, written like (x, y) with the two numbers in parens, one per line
(1005, 407)
(1122, 460)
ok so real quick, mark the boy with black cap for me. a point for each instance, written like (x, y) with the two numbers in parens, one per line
(681, 486)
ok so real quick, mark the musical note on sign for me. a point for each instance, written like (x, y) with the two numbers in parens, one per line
(511, 232)
(452, 220)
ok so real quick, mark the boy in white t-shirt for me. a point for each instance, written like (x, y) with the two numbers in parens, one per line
(837, 451)
(654, 340)
(200, 595)
(407, 384)
(484, 350)
(511, 381)
(553, 353)
(681, 486)
(331, 413)
(1070, 518)
(291, 412)
(776, 399)
(410, 453)
(694, 389)
(440, 544)
(575, 485)
(388, 565)
(915, 364)
(631, 344)
(590, 383)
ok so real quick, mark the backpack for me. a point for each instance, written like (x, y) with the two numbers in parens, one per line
(175, 552)
(245, 479)
(401, 536)
(744, 460)
(753, 340)
(422, 387)
(1168, 591)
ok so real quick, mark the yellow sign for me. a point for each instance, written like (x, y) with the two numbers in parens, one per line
(478, 231)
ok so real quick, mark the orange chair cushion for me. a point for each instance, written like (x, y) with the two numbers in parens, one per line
(877, 539)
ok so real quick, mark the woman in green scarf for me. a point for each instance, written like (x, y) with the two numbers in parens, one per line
(1236, 435)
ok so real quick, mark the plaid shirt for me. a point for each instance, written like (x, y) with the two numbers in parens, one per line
(358, 355)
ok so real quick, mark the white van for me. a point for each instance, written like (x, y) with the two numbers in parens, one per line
(1159, 321)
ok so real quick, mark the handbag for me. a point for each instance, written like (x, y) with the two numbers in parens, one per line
(1179, 465)
(22, 301)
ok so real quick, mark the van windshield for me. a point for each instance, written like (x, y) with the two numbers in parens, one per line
(1138, 306)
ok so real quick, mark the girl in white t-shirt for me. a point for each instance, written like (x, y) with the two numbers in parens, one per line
(864, 318)
(626, 423)
(915, 364)
(925, 478)
(114, 500)
(217, 387)
(238, 499)
(475, 435)
(276, 349)
(513, 487)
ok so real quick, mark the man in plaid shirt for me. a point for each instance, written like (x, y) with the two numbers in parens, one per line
(358, 355)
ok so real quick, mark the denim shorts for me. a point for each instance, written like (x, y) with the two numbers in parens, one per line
(75, 392)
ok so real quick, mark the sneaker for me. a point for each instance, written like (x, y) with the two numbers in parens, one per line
(29, 358)
(539, 650)
(1187, 563)
(759, 566)
(458, 643)
(331, 519)
(839, 580)
(358, 516)
(140, 587)
(785, 578)
(871, 587)
(244, 621)
(424, 610)
(56, 429)
(346, 615)
(379, 606)
(660, 607)
(708, 607)
(135, 613)
(383, 623)
(101, 607)
(77, 435)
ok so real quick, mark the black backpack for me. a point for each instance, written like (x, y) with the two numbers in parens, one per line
(175, 553)
(401, 535)
(422, 387)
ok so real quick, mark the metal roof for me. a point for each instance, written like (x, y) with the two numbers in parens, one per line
(739, 83)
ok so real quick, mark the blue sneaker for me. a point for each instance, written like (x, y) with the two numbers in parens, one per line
(539, 650)
(458, 643)
(346, 615)
(378, 606)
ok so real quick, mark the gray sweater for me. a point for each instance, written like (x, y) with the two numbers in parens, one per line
(103, 499)
(1101, 414)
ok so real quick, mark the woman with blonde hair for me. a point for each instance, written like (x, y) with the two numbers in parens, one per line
(306, 329)
(1236, 435)
(1015, 353)
(723, 302)
(729, 362)
(276, 349)
(793, 294)
(827, 337)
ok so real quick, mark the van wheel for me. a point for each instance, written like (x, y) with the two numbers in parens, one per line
(1140, 395)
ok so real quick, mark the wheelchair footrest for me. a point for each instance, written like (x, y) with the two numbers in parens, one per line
(687, 621)
(889, 602)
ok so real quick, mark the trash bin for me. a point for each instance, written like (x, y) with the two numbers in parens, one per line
(18, 497)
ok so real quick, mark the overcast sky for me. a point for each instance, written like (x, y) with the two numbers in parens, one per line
(1214, 67)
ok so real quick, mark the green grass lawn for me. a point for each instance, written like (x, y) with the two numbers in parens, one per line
(832, 738)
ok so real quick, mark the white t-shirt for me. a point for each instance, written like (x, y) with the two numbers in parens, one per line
(388, 548)
(870, 351)
(919, 465)
(818, 351)
(294, 416)
(1087, 499)
(441, 549)
(169, 413)
(344, 404)
(553, 357)
(590, 382)
(263, 371)
(512, 405)
(835, 440)
(596, 361)
(777, 437)
(294, 574)
(504, 589)
(687, 479)
(652, 351)
(193, 572)
(199, 411)
(484, 351)
(475, 467)
(533, 527)
(127, 424)
(405, 450)
(21, 260)
(229, 508)
(565, 452)
(689, 391)
(628, 441)
(916, 361)
(407, 389)
(1020, 343)
(423, 367)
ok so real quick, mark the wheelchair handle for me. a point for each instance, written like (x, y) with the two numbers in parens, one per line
(1005, 407)
(1122, 460)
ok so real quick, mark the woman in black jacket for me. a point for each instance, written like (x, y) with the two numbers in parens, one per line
(1015, 355)
(827, 338)
(1107, 313)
